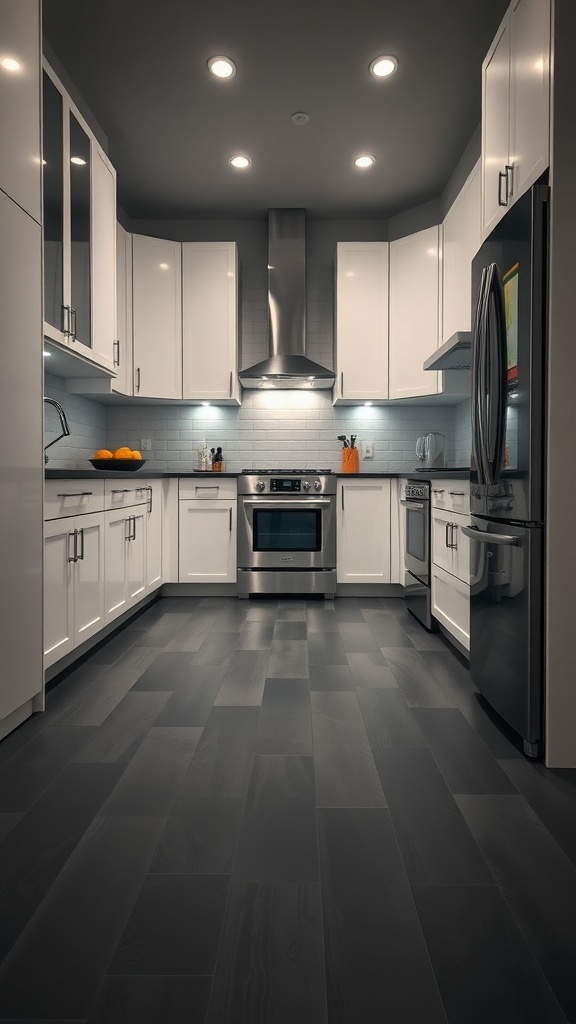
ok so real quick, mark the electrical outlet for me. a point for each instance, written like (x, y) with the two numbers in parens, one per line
(146, 444)
(368, 451)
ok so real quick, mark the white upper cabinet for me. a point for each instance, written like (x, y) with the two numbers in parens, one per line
(461, 238)
(515, 107)
(210, 321)
(79, 218)
(414, 313)
(157, 317)
(20, 104)
(123, 361)
(361, 328)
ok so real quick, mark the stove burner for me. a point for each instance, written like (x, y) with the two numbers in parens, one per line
(287, 472)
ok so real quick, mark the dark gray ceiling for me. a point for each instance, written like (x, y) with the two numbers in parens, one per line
(141, 67)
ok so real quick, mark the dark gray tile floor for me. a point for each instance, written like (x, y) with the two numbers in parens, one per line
(281, 812)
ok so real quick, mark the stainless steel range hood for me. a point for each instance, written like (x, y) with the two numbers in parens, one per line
(287, 366)
(454, 354)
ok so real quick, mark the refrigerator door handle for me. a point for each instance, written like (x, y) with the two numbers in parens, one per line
(476, 392)
(483, 397)
(503, 539)
(495, 379)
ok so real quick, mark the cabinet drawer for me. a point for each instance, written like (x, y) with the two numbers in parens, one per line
(72, 497)
(123, 493)
(207, 489)
(450, 547)
(451, 494)
(451, 604)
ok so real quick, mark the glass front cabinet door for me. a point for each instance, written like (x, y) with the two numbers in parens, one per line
(79, 231)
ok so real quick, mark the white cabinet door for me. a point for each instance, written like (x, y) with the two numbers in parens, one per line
(59, 638)
(363, 531)
(361, 321)
(104, 332)
(495, 126)
(207, 541)
(414, 312)
(154, 535)
(451, 604)
(529, 91)
(442, 551)
(136, 556)
(88, 576)
(20, 104)
(461, 238)
(157, 317)
(116, 539)
(123, 361)
(515, 108)
(210, 321)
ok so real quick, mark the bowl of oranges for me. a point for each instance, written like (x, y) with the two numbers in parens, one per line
(123, 460)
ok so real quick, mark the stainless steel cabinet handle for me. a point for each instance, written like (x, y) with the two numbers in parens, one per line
(446, 535)
(454, 533)
(509, 180)
(456, 494)
(81, 536)
(438, 490)
(342, 497)
(150, 494)
(137, 382)
(65, 319)
(502, 176)
(74, 557)
(74, 494)
(120, 490)
(230, 519)
(230, 387)
(412, 504)
(116, 352)
(133, 537)
(490, 538)
(73, 324)
(342, 384)
(209, 487)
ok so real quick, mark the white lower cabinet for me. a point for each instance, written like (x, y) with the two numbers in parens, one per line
(125, 561)
(207, 540)
(363, 531)
(154, 574)
(73, 583)
(451, 558)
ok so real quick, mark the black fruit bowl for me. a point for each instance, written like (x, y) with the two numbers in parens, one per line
(118, 465)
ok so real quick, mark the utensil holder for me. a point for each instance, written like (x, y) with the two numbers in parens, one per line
(350, 460)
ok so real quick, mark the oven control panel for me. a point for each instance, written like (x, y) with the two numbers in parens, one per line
(285, 484)
(418, 490)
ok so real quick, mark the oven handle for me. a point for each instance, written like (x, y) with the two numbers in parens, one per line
(413, 504)
(307, 502)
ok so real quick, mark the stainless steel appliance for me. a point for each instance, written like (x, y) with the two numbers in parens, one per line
(286, 532)
(417, 595)
(509, 279)
(430, 450)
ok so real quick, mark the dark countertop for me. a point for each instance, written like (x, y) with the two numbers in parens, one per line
(77, 474)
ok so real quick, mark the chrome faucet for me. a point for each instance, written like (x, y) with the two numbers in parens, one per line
(63, 424)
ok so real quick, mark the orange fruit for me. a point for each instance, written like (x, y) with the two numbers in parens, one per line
(136, 455)
(103, 453)
(123, 453)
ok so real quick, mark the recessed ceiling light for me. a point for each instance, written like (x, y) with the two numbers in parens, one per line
(382, 67)
(366, 160)
(222, 67)
(240, 161)
(77, 160)
(10, 64)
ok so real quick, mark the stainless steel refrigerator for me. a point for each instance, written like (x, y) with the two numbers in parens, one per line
(509, 287)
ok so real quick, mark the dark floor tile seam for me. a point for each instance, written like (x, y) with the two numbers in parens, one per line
(454, 885)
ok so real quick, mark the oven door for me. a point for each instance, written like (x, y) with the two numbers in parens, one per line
(298, 533)
(417, 542)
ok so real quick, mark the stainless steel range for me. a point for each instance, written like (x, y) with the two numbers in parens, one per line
(286, 532)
